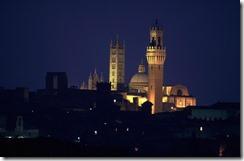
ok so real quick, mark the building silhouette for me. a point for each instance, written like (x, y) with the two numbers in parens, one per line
(56, 80)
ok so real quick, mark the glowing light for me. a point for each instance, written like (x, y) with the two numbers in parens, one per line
(105, 123)
(114, 100)
(9, 137)
(136, 148)
(172, 108)
(90, 109)
(95, 132)
(78, 138)
(165, 99)
(221, 150)
(32, 111)
(141, 99)
(127, 129)
(201, 128)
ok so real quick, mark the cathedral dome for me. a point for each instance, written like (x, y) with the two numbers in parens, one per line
(139, 78)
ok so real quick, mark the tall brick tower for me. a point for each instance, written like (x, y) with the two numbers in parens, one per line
(156, 54)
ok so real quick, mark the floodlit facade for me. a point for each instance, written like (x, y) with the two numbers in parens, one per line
(156, 55)
(116, 64)
(173, 96)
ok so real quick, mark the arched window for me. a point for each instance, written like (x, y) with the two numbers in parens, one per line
(179, 92)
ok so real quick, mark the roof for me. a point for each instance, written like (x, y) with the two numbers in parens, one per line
(139, 78)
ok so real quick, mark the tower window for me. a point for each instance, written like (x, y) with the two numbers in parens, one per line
(113, 59)
(113, 66)
(120, 66)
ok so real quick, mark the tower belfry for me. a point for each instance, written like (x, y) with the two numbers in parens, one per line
(156, 54)
(116, 63)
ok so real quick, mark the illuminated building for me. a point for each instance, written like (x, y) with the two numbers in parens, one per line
(92, 81)
(176, 96)
(144, 86)
(156, 54)
(139, 81)
(149, 86)
(116, 64)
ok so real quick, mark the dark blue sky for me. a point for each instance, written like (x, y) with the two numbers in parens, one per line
(202, 40)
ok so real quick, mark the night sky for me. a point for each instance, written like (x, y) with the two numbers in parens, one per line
(202, 40)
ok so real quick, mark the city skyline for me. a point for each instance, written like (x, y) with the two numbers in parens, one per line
(75, 39)
(120, 78)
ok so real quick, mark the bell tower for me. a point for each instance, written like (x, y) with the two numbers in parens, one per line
(156, 54)
(116, 64)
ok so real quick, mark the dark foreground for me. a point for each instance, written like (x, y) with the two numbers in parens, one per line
(47, 147)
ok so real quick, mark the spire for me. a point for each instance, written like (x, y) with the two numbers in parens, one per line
(141, 68)
(83, 85)
(90, 76)
(111, 43)
(117, 40)
(101, 78)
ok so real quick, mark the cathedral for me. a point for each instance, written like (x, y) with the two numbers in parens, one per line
(148, 83)
(92, 81)
(173, 96)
